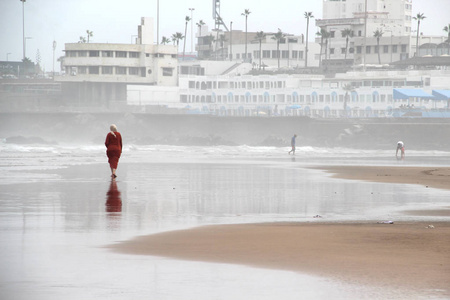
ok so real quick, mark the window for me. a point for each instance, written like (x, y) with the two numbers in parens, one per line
(266, 53)
(274, 54)
(343, 50)
(358, 49)
(167, 71)
(94, 69)
(332, 34)
(403, 48)
(300, 54)
(121, 54)
(94, 53)
(133, 71)
(107, 70)
(121, 70)
(82, 70)
(256, 54)
(385, 49)
(376, 49)
(359, 33)
(71, 53)
(394, 48)
(367, 49)
(107, 54)
(331, 50)
(134, 54)
(294, 54)
(284, 54)
(82, 53)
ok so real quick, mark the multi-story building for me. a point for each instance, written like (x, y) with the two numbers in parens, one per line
(391, 18)
(266, 51)
(97, 73)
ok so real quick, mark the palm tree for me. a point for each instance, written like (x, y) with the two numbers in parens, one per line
(246, 13)
(347, 33)
(222, 39)
(278, 37)
(378, 34)
(199, 25)
(165, 40)
(323, 36)
(82, 39)
(89, 34)
(260, 36)
(209, 40)
(447, 29)
(176, 38)
(187, 19)
(418, 17)
(308, 15)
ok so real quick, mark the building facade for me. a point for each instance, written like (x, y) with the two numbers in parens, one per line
(391, 19)
(97, 74)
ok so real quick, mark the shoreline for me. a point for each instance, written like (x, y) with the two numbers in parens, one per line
(408, 256)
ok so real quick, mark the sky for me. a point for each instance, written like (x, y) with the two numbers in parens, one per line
(116, 21)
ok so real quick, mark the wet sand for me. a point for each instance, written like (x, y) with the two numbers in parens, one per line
(425, 176)
(406, 255)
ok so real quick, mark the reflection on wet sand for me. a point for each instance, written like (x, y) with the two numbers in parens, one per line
(113, 199)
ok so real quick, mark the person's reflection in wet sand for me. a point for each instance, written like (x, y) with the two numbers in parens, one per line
(113, 199)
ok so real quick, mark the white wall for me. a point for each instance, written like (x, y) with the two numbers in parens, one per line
(152, 95)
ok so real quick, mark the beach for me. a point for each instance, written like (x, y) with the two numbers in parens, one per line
(229, 222)
(413, 256)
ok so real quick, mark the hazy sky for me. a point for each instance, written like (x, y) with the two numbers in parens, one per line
(115, 21)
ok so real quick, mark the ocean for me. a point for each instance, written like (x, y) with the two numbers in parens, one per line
(57, 216)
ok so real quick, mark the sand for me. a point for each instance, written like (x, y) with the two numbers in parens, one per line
(406, 255)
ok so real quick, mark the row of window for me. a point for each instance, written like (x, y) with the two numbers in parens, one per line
(294, 54)
(208, 85)
(249, 85)
(114, 70)
(376, 49)
(302, 99)
(107, 53)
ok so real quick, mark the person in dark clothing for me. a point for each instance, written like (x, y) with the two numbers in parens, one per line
(293, 145)
(113, 145)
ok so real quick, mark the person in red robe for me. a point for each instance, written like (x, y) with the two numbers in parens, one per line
(113, 145)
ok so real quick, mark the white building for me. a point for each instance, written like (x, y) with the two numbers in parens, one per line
(391, 17)
(231, 46)
(97, 74)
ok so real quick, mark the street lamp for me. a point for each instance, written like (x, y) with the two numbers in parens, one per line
(192, 29)
(23, 25)
(157, 22)
(7, 56)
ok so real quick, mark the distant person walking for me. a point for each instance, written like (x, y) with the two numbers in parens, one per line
(401, 147)
(113, 145)
(293, 145)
